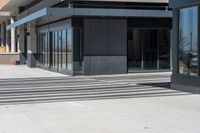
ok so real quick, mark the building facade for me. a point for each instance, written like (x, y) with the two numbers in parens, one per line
(8, 43)
(82, 37)
(186, 71)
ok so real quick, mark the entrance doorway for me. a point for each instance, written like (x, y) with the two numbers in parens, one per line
(148, 49)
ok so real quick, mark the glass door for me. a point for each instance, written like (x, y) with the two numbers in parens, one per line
(134, 49)
(150, 44)
(148, 49)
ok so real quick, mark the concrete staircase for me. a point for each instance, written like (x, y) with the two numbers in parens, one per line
(14, 91)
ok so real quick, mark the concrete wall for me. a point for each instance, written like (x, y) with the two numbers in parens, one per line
(7, 58)
(105, 46)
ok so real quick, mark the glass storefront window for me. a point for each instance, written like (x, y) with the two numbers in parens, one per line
(134, 49)
(188, 40)
(55, 49)
(149, 49)
(64, 49)
(39, 49)
(60, 50)
(164, 49)
(69, 49)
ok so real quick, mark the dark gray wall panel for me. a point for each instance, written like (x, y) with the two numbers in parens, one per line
(150, 23)
(86, 37)
(95, 37)
(55, 26)
(186, 83)
(105, 37)
(105, 46)
(118, 37)
(98, 65)
(99, 37)
(182, 3)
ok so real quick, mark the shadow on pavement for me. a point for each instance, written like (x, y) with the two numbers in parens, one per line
(166, 85)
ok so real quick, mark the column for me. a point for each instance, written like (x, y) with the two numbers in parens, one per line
(13, 38)
(31, 45)
(0, 36)
(21, 42)
(3, 36)
(8, 37)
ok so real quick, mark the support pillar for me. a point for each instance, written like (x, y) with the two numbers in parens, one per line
(0, 36)
(13, 38)
(31, 45)
(22, 48)
(8, 37)
(3, 36)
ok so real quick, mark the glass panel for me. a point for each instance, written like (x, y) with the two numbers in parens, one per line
(64, 49)
(56, 50)
(150, 49)
(39, 49)
(134, 49)
(53, 47)
(144, 48)
(43, 44)
(69, 49)
(188, 56)
(46, 43)
(47, 47)
(42, 51)
(60, 49)
(164, 48)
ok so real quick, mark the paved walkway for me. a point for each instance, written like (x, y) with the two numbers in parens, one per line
(133, 103)
(22, 71)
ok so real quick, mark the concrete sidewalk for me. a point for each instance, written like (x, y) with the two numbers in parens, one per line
(133, 103)
(22, 71)
(176, 114)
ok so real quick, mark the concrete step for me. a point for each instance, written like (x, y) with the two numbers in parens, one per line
(80, 83)
(78, 87)
(82, 88)
(39, 97)
(85, 90)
